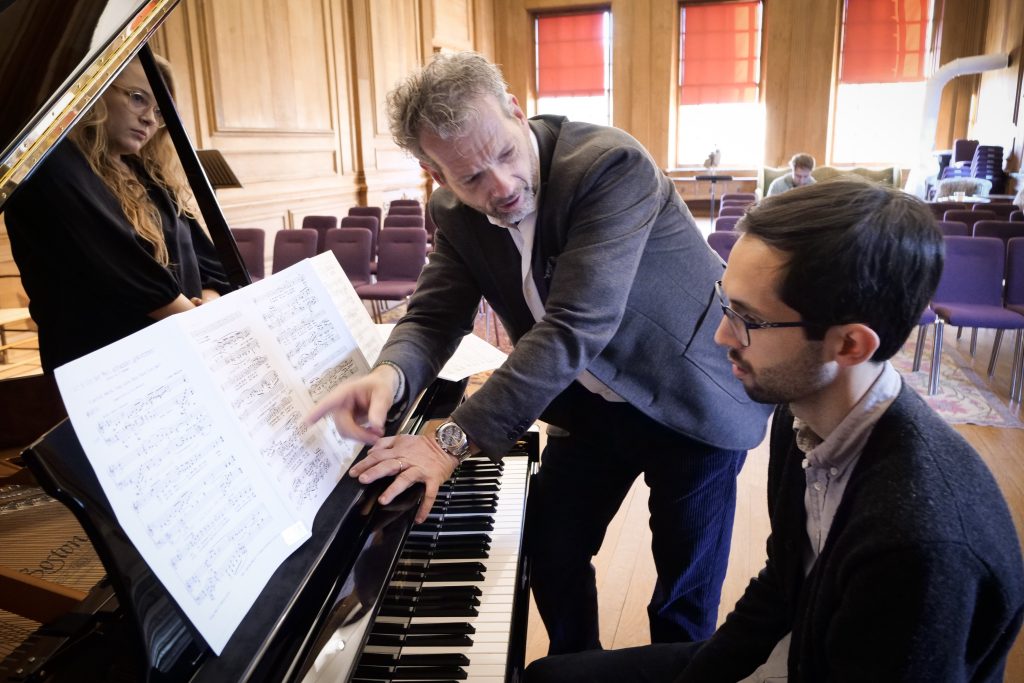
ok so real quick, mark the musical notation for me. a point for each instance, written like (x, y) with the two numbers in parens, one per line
(195, 428)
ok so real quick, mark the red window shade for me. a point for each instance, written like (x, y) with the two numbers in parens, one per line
(884, 41)
(571, 55)
(719, 52)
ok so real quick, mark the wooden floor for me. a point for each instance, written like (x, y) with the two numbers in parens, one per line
(625, 570)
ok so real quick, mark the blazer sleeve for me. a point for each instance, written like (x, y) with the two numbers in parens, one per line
(614, 205)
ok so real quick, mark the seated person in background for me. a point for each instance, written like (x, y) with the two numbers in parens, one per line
(800, 166)
(892, 555)
(102, 232)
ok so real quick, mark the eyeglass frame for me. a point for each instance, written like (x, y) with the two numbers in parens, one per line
(733, 318)
(158, 115)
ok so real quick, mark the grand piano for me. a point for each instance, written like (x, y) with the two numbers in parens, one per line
(372, 596)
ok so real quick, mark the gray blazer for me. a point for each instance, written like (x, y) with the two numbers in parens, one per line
(628, 285)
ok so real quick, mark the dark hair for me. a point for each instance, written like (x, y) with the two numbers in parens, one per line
(857, 252)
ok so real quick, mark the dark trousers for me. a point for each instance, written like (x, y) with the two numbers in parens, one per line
(583, 480)
(658, 663)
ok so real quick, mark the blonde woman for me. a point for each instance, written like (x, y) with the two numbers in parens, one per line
(102, 232)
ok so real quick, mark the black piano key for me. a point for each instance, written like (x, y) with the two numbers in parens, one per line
(450, 627)
(456, 627)
(438, 641)
(412, 673)
(439, 554)
(437, 659)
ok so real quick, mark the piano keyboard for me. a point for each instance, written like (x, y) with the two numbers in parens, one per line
(447, 614)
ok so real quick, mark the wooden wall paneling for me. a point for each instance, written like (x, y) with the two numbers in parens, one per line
(271, 98)
(800, 46)
(959, 31)
(452, 24)
(1000, 120)
(483, 27)
(513, 50)
(387, 46)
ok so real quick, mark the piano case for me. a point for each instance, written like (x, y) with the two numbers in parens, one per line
(155, 641)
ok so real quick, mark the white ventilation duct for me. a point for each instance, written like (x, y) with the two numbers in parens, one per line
(964, 66)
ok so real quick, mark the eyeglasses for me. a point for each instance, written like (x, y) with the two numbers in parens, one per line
(742, 326)
(140, 103)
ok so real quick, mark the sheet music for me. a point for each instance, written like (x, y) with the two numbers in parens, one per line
(194, 428)
(473, 355)
(349, 305)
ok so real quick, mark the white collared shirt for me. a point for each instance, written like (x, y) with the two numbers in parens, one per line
(523, 235)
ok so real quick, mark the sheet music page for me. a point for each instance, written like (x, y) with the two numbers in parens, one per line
(349, 305)
(195, 429)
(179, 474)
(473, 355)
(274, 348)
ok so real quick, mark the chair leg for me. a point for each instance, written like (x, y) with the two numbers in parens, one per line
(922, 334)
(974, 341)
(959, 332)
(1017, 370)
(995, 353)
(933, 379)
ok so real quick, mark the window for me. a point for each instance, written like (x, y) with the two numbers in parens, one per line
(574, 66)
(719, 77)
(880, 96)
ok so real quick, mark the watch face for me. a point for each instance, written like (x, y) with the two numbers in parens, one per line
(451, 437)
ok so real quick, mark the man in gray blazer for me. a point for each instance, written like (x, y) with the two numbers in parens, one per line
(581, 245)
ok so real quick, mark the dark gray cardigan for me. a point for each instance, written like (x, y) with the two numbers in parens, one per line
(920, 579)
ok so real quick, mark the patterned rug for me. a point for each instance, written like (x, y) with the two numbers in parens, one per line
(962, 397)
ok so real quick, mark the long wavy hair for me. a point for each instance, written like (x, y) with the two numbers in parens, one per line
(157, 157)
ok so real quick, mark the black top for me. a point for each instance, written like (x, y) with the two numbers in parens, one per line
(91, 279)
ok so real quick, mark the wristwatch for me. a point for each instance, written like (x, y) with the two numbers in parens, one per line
(452, 440)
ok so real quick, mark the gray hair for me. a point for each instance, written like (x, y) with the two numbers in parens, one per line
(440, 99)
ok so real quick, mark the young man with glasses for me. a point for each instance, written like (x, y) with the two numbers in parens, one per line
(892, 555)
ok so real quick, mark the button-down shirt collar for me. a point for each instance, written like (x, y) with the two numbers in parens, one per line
(829, 462)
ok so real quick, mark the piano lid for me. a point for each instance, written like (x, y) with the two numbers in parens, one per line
(56, 57)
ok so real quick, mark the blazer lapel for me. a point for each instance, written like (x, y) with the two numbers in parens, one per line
(546, 246)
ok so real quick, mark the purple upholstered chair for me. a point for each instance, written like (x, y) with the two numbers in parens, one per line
(369, 223)
(967, 216)
(351, 246)
(953, 229)
(400, 258)
(393, 221)
(321, 224)
(291, 246)
(726, 223)
(1004, 230)
(1017, 216)
(251, 244)
(1002, 210)
(970, 292)
(1015, 302)
(732, 211)
(722, 242)
(749, 197)
(374, 211)
(405, 202)
(939, 209)
(405, 210)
